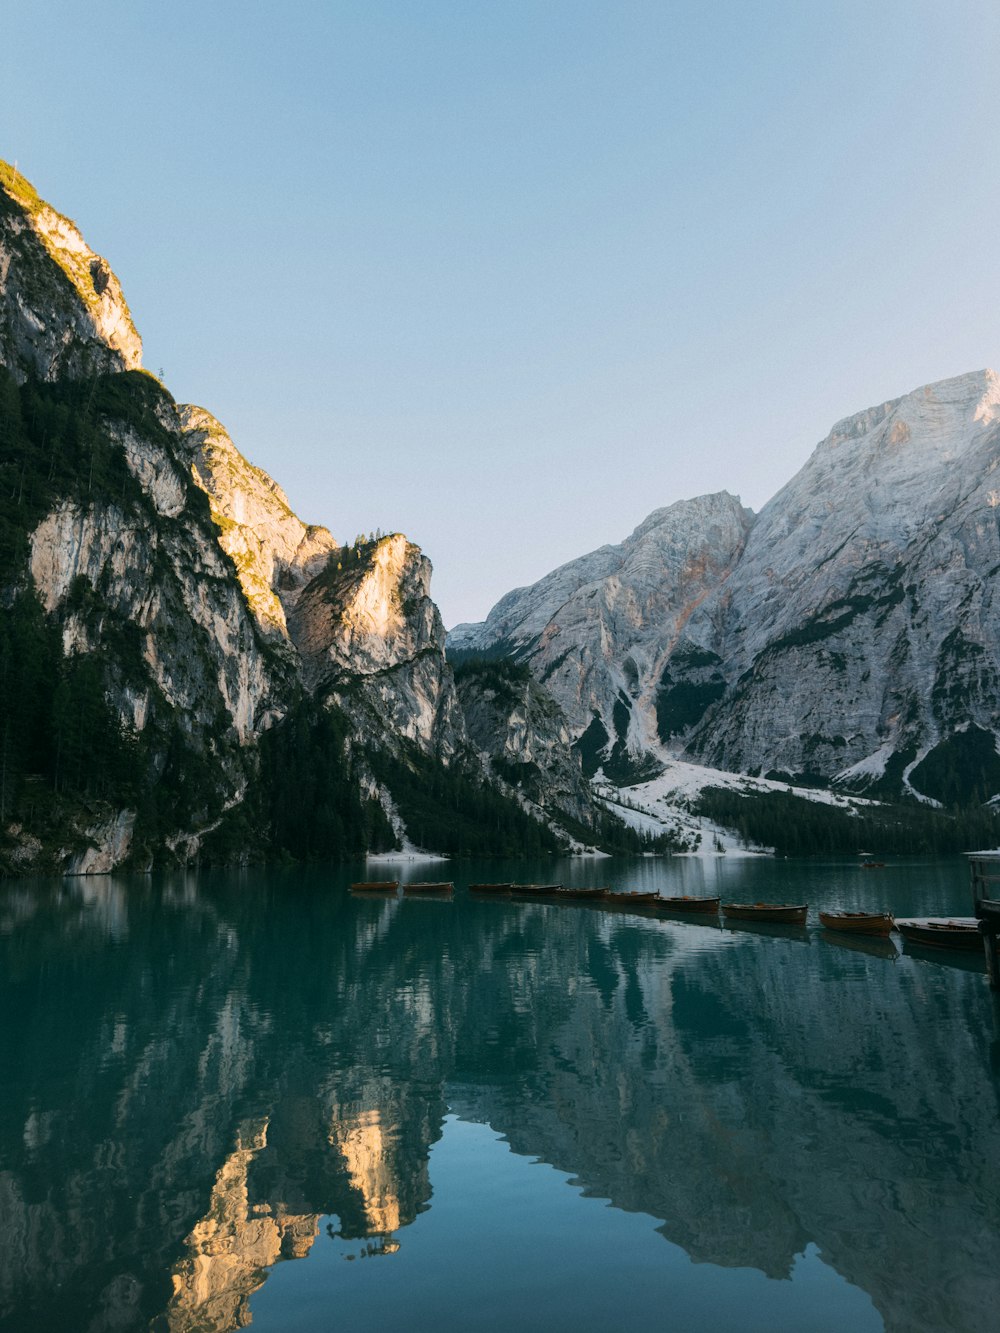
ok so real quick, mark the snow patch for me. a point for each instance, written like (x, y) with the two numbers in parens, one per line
(664, 804)
(408, 854)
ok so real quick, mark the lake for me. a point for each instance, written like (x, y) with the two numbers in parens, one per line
(252, 1096)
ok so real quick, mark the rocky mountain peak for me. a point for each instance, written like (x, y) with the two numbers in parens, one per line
(701, 509)
(371, 639)
(849, 631)
(598, 630)
(858, 631)
(274, 552)
(934, 421)
(62, 310)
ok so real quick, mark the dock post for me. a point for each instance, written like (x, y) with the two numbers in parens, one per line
(985, 870)
(990, 945)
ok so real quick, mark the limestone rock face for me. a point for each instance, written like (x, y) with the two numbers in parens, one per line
(209, 605)
(525, 737)
(197, 643)
(371, 639)
(598, 632)
(274, 552)
(138, 584)
(361, 625)
(862, 621)
(848, 632)
(62, 311)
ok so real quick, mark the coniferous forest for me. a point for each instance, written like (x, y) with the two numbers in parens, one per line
(795, 826)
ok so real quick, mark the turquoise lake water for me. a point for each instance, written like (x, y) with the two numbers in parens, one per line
(252, 1096)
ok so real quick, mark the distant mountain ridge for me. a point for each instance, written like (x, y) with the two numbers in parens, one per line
(850, 632)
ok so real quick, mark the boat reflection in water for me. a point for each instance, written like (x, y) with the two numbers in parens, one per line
(225, 1078)
(876, 946)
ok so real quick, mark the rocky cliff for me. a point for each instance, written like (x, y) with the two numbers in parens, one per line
(850, 632)
(274, 552)
(136, 679)
(524, 736)
(860, 632)
(62, 312)
(599, 631)
(371, 640)
(189, 669)
(359, 621)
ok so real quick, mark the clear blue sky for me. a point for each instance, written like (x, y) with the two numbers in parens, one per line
(509, 275)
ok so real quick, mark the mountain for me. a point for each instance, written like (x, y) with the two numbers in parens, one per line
(860, 632)
(186, 668)
(359, 621)
(598, 632)
(524, 734)
(848, 633)
(63, 312)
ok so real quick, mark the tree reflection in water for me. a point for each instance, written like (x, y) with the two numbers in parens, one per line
(198, 1079)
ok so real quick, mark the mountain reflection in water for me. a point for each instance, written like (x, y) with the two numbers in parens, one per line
(202, 1080)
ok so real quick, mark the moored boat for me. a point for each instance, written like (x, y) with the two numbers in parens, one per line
(941, 932)
(375, 886)
(490, 888)
(615, 899)
(783, 913)
(536, 890)
(863, 923)
(570, 894)
(685, 903)
(425, 886)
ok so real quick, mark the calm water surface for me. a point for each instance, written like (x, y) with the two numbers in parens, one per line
(252, 1096)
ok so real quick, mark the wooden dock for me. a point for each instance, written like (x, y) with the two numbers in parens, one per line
(985, 868)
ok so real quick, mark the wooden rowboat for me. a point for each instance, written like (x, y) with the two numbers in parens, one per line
(536, 890)
(701, 906)
(615, 899)
(375, 886)
(490, 888)
(570, 894)
(863, 923)
(941, 932)
(783, 913)
(425, 886)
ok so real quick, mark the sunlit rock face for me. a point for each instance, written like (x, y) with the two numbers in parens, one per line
(232, 1246)
(598, 631)
(359, 617)
(62, 311)
(371, 639)
(274, 552)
